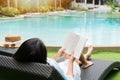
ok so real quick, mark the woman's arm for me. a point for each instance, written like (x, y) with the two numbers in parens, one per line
(60, 53)
(70, 65)
(70, 69)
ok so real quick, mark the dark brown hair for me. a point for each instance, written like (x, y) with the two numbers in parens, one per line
(32, 50)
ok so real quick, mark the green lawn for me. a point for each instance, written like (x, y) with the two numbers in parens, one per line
(105, 55)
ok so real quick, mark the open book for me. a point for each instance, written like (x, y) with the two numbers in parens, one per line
(74, 42)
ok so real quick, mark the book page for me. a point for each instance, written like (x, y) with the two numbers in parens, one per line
(70, 42)
(80, 46)
(74, 42)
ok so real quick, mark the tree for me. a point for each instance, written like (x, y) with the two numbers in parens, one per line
(66, 3)
(3, 3)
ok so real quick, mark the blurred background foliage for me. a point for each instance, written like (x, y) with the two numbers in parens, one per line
(25, 6)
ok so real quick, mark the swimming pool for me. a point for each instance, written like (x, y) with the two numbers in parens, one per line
(99, 27)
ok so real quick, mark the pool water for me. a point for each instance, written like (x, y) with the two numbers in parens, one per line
(100, 27)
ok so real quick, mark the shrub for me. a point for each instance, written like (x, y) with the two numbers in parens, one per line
(60, 9)
(43, 9)
(112, 4)
(81, 9)
(10, 11)
(50, 8)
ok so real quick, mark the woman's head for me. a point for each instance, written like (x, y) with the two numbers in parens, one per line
(32, 50)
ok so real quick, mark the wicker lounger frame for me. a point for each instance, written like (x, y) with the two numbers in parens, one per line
(10, 69)
(13, 70)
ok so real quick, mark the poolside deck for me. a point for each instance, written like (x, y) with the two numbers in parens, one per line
(96, 48)
(10, 51)
(12, 18)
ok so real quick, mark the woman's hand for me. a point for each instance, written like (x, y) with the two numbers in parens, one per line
(68, 56)
(60, 53)
(72, 58)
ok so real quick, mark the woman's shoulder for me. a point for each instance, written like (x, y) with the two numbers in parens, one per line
(52, 62)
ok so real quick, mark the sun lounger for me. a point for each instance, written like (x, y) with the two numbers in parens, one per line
(7, 51)
(13, 70)
(99, 70)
